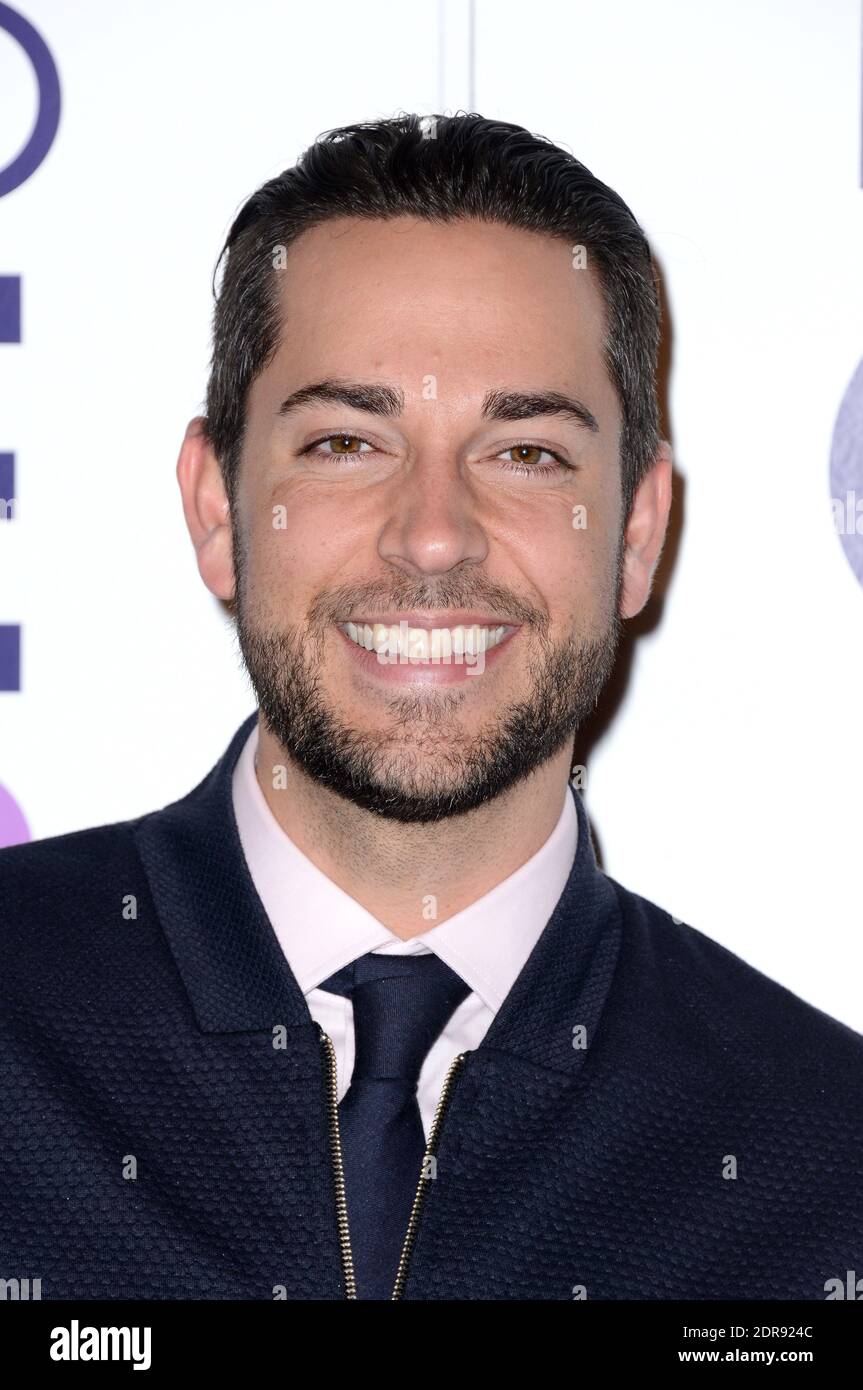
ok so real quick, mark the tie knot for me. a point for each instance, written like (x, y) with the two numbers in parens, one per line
(400, 1004)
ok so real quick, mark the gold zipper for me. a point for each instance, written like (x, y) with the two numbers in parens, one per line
(339, 1172)
(338, 1169)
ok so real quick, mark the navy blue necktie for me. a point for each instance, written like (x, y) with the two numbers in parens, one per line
(400, 1005)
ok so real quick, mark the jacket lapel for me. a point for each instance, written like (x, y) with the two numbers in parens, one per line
(226, 951)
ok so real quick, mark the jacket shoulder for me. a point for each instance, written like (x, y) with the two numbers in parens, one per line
(64, 859)
(71, 909)
(721, 997)
(48, 885)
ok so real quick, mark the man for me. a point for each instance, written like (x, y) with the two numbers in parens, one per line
(360, 1016)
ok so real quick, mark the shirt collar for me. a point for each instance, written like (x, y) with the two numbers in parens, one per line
(320, 927)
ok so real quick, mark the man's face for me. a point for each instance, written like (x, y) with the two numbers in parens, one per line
(429, 517)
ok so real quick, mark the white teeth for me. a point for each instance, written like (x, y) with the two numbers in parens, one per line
(439, 643)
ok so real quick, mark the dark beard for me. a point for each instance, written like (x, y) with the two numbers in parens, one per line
(386, 772)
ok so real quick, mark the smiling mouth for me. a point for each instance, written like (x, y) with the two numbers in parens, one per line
(422, 643)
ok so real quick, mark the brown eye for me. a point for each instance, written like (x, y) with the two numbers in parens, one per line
(347, 443)
(525, 461)
(522, 450)
(339, 446)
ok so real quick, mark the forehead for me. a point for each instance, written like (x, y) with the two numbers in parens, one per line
(438, 282)
(405, 296)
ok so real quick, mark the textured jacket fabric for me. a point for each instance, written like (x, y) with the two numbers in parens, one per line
(648, 1117)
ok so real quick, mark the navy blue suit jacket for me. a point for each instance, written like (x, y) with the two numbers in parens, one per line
(590, 1144)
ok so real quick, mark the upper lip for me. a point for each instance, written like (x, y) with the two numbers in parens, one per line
(459, 617)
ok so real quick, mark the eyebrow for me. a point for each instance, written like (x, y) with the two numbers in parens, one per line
(387, 401)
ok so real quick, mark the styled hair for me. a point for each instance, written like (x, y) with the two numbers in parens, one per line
(443, 169)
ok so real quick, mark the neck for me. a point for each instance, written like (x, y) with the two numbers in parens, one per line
(413, 877)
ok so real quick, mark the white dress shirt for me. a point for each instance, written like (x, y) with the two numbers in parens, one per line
(320, 928)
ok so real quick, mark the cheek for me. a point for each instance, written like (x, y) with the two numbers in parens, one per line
(594, 572)
(570, 559)
(291, 552)
(594, 534)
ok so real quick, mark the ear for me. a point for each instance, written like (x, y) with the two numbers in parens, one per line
(645, 532)
(206, 509)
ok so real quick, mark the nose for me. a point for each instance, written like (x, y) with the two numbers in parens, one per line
(432, 523)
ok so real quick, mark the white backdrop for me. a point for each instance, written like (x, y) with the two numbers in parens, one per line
(727, 785)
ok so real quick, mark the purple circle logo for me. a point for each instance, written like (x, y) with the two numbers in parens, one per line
(846, 474)
(41, 138)
(14, 830)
